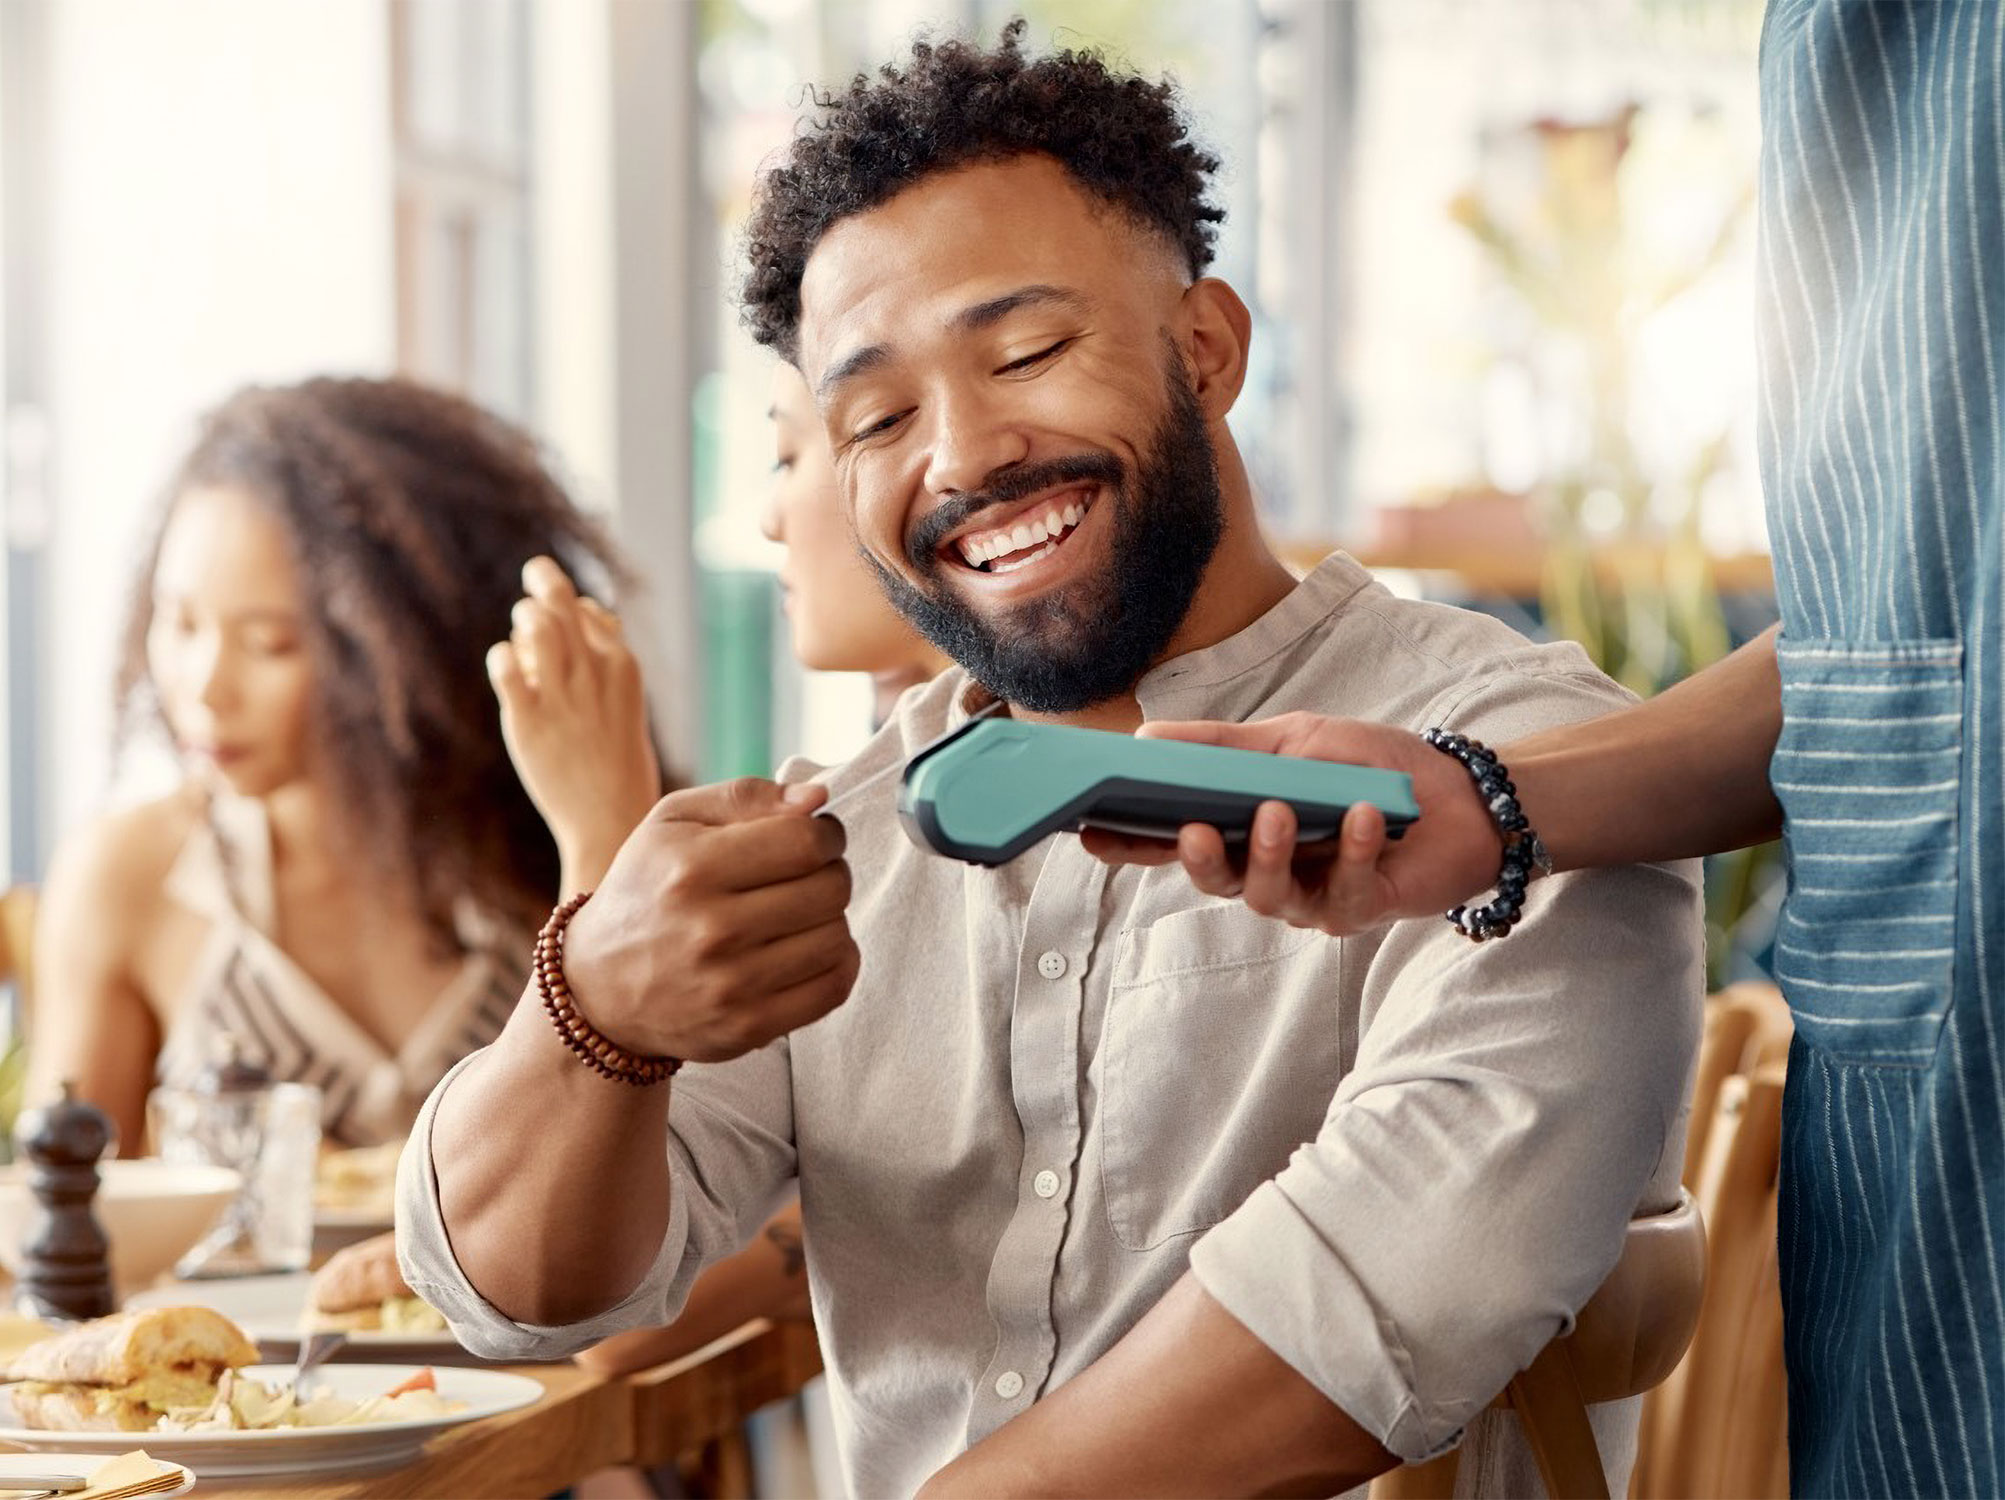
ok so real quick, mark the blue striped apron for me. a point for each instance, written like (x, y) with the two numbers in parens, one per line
(1882, 328)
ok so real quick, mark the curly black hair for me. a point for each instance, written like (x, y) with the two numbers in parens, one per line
(410, 513)
(1122, 137)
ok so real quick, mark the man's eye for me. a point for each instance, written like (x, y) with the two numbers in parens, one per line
(882, 425)
(1029, 360)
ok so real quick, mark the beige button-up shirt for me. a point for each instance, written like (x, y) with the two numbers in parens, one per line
(1403, 1160)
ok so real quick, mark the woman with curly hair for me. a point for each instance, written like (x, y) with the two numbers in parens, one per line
(347, 879)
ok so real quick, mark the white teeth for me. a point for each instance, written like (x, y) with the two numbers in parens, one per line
(986, 550)
(1026, 560)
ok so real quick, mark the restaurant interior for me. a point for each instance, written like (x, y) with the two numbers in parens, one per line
(1500, 265)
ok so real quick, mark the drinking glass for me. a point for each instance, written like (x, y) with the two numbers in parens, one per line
(269, 1134)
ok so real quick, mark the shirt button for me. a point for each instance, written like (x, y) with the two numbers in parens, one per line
(1009, 1385)
(1051, 965)
(1045, 1184)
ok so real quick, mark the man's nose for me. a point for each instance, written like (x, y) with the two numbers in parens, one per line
(971, 439)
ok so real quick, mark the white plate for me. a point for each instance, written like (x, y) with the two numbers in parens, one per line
(85, 1465)
(268, 1309)
(309, 1450)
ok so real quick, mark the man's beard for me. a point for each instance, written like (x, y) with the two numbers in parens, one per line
(1093, 639)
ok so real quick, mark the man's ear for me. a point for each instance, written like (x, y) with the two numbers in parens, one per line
(1221, 329)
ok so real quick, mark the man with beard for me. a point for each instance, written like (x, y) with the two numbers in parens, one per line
(1107, 1186)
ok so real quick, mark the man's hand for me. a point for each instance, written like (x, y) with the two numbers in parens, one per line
(720, 925)
(574, 718)
(1450, 855)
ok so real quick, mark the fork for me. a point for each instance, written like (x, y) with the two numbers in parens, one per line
(314, 1348)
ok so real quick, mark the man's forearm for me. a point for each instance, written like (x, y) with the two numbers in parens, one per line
(767, 1279)
(1154, 1417)
(553, 1181)
(1683, 774)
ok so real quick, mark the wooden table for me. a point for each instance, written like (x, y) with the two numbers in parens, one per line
(586, 1422)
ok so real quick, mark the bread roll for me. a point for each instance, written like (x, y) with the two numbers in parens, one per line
(77, 1409)
(126, 1349)
(357, 1279)
(119, 1374)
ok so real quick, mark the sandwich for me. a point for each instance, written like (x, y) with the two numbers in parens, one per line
(124, 1373)
(357, 1185)
(360, 1290)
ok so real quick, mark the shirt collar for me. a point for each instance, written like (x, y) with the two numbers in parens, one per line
(1312, 601)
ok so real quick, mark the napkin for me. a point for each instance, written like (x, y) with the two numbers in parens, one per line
(111, 1476)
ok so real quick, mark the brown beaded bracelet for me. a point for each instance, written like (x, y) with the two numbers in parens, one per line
(597, 1051)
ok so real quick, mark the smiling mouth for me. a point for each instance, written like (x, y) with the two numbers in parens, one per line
(1034, 535)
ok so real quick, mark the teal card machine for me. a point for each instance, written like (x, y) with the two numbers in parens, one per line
(995, 786)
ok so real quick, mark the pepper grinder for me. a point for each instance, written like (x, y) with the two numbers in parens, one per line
(66, 1266)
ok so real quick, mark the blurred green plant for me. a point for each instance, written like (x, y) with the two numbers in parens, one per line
(1625, 570)
(13, 1085)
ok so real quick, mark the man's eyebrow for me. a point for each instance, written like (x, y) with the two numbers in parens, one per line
(986, 314)
(850, 366)
(968, 320)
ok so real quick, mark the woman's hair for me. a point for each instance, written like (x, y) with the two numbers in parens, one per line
(409, 513)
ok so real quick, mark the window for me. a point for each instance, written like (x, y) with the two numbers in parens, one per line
(459, 128)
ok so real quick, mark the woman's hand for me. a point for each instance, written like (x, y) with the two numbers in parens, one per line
(574, 716)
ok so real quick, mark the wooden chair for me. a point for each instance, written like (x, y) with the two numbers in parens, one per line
(1747, 1027)
(1717, 1426)
(1627, 1339)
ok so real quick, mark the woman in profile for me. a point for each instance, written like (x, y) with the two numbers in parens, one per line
(840, 619)
(347, 880)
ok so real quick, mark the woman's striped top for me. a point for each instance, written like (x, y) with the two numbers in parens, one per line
(246, 985)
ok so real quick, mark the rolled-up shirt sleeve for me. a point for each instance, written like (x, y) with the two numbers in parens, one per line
(731, 1158)
(1513, 1105)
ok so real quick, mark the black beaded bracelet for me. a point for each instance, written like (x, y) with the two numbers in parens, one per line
(1523, 853)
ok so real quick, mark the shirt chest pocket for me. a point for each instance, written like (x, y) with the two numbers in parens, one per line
(1222, 1047)
(1868, 773)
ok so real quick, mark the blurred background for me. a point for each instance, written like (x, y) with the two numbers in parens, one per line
(1499, 257)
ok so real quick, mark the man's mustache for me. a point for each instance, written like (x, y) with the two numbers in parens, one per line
(1006, 487)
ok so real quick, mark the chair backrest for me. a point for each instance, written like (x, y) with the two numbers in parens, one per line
(1716, 1426)
(1768, 1040)
(1635, 1328)
(1630, 1335)
(1747, 1026)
